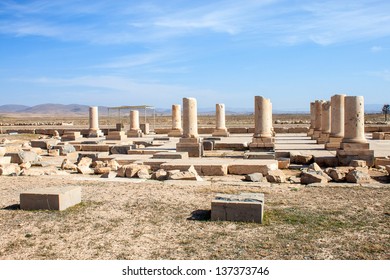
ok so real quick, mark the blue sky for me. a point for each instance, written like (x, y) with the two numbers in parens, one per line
(120, 52)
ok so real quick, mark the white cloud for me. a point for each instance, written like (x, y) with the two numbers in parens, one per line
(272, 21)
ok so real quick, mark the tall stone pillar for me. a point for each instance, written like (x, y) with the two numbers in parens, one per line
(177, 130)
(354, 144)
(135, 130)
(337, 122)
(94, 130)
(325, 123)
(318, 119)
(220, 129)
(263, 139)
(190, 141)
(312, 118)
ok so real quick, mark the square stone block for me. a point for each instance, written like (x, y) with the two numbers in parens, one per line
(355, 146)
(245, 207)
(134, 133)
(116, 135)
(54, 198)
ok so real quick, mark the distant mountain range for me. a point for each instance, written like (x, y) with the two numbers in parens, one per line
(76, 109)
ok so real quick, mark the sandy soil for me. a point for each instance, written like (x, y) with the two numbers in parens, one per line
(149, 220)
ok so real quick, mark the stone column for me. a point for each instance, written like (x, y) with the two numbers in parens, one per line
(325, 123)
(354, 145)
(220, 129)
(312, 118)
(263, 139)
(190, 141)
(354, 120)
(135, 130)
(337, 122)
(94, 130)
(177, 130)
(190, 118)
(318, 119)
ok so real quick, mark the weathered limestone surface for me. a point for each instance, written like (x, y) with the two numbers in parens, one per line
(94, 130)
(337, 122)
(354, 145)
(312, 118)
(318, 119)
(190, 141)
(243, 167)
(134, 130)
(177, 129)
(325, 123)
(116, 135)
(54, 198)
(220, 129)
(263, 139)
(245, 207)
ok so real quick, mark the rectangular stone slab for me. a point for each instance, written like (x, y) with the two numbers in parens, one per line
(171, 155)
(53, 198)
(245, 207)
(248, 166)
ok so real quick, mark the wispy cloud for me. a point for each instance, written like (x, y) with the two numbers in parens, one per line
(267, 21)
(124, 90)
(376, 49)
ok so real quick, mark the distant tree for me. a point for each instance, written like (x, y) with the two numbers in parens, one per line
(386, 110)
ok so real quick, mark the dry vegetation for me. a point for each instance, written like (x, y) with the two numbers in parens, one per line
(149, 220)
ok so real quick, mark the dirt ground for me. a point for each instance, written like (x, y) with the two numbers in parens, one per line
(128, 219)
(150, 220)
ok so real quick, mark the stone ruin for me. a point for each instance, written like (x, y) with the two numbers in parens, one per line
(334, 149)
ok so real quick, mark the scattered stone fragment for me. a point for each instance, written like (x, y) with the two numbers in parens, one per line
(160, 175)
(68, 165)
(276, 176)
(54, 152)
(294, 180)
(254, 177)
(85, 161)
(98, 164)
(357, 176)
(3, 151)
(315, 167)
(358, 163)
(131, 170)
(113, 164)
(190, 174)
(337, 174)
(101, 170)
(9, 169)
(388, 169)
(23, 156)
(5, 141)
(65, 149)
(5, 160)
(309, 177)
(85, 170)
(25, 165)
(143, 174)
(171, 172)
(109, 175)
(283, 163)
(300, 159)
